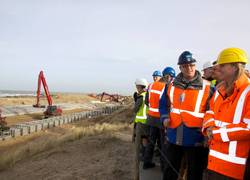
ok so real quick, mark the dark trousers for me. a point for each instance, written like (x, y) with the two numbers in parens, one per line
(247, 171)
(154, 136)
(196, 161)
(211, 175)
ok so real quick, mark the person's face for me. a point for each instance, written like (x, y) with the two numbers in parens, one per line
(139, 88)
(156, 78)
(226, 71)
(216, 73)
(208, 73)
(168, 78)
(188, 70)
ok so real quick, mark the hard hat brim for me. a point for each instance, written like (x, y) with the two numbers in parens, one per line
(192, 61)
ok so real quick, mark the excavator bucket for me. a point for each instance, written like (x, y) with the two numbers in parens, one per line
(39, 106)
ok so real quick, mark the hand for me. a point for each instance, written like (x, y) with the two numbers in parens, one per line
(165, 122)
(209, 132)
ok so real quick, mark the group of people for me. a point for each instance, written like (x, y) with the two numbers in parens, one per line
(198, 122)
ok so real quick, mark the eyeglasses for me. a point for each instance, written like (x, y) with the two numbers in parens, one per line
(187, 65)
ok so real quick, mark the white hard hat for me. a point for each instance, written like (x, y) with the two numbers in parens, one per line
(207, 64)
(142, 82)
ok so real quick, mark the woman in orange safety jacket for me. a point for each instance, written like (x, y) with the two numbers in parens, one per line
(227, 123)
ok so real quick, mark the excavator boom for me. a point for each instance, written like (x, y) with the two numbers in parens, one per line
(51, 110)
(41, 80)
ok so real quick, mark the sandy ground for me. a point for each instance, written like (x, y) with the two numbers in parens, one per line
(96, 157)
(20, 109)
(11, 120)
(58, 98)
(106, 153)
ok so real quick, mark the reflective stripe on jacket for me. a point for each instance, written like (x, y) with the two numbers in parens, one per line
(230, 122)
(188, 105)
(141, 115)
(155, 91)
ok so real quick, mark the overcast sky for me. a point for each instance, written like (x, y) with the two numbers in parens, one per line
(104, 45)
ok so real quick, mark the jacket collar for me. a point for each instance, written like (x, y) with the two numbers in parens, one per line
(196, 83)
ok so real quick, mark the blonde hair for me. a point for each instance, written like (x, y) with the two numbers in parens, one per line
(247, 73)
(239, 72)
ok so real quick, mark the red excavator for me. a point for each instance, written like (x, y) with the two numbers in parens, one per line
(110, 97)
(51, 110)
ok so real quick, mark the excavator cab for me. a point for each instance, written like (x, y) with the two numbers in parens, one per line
(51, 110)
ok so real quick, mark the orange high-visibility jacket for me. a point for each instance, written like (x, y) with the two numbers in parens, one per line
(155, 92)
(188, 105)
(230, 122)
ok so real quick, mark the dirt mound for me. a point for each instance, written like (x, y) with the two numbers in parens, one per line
(98, 148)
(95, 157)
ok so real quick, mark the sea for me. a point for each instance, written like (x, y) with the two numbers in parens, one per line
(16, 93)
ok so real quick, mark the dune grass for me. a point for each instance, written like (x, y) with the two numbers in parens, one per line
(52, 139)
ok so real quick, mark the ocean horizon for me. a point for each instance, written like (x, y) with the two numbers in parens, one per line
(15, 93)
(19, 93)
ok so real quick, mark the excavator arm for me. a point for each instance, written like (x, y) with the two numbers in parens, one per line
(51, 109)
(41, 80)
(46, 89)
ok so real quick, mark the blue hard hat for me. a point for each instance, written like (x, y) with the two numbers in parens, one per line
(168, 70)
(186, 58)
(157, 73)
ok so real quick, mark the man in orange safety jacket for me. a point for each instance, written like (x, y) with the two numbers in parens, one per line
(156, 132)
(227, 123)
(182, 108)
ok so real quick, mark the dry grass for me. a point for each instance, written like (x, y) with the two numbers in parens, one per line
(55, 138)
(20, 148)
(58, 98)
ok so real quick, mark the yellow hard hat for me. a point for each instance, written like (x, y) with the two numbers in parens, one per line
(232, 55)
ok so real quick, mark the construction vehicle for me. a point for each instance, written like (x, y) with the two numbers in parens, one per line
(105, 97)
(51, 110)
(109, 97)
(3, 123)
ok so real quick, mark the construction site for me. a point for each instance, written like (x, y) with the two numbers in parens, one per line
(124, 90)
(66, 136)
